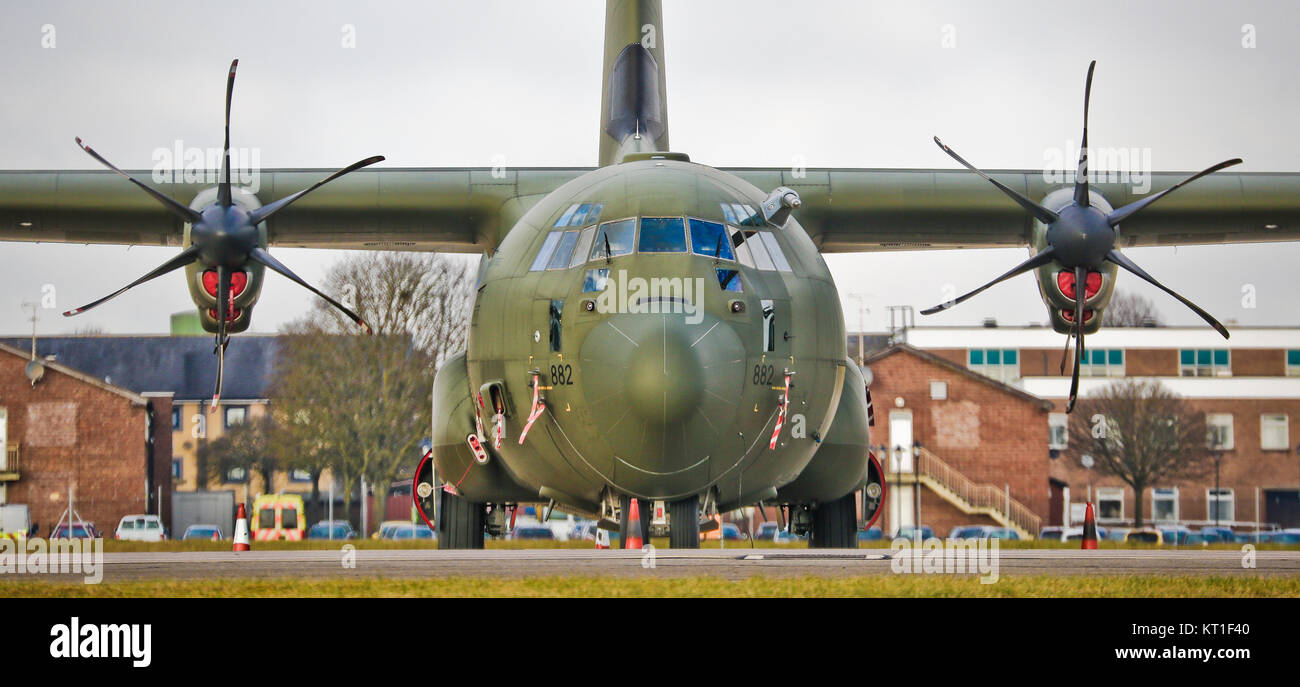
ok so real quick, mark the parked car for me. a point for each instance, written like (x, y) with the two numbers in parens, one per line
(202, 532)
(76, 530)
(1003, 533)
(1287, 536)
(1145, 535)
(408, 530)
(873, 534)
(386, 528)
(1117, 534)
(335, 529)
(1052, 533)
(766, 531)
(911, 532)
(532, 532)
(1218, 534)
(785, 537)
(140, 528)
(969, 532)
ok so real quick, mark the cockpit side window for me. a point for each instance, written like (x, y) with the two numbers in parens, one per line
(563, 251)
(774, 250)
(544, 255)
(614, 239)
(584, 246)
(743, 255)
(709, 238)
(729, 280)
(662, 235)
(579, 214)
(761, 259)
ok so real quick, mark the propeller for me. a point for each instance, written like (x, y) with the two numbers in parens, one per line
(1081, 238)
(224, 237)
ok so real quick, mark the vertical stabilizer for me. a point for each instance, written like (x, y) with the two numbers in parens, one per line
(634, 97)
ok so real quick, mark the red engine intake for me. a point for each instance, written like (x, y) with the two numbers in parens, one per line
(1065, 282)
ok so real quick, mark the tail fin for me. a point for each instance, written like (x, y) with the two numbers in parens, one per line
(634, 96)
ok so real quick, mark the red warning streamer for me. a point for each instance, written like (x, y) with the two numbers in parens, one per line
(478, 416)
(780, 416)
(539, 405)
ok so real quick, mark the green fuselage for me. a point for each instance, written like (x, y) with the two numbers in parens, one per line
(659, 404)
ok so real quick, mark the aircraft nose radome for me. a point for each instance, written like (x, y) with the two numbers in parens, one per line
(660, 388)
(663, 375)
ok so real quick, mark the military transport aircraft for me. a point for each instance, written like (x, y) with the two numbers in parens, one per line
(652, 328)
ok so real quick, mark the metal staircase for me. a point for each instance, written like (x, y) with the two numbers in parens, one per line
(969, 497)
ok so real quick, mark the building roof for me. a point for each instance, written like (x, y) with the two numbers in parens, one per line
(949, 365)
(183, 365)
(77, 374)
(1108, 337)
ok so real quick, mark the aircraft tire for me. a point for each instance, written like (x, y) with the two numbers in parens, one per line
(835, 524)
(684, 523)
(461, 523)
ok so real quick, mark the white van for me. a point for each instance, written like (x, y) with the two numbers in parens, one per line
(140, 528)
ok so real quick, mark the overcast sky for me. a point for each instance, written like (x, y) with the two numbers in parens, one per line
(852, 84)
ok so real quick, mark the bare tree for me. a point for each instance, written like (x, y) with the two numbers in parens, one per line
(1140, 432)
(363, 402)
(245, 446)
(1129, 309)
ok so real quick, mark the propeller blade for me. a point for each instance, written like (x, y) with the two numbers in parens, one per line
(1080, 274)
(260, 255)
(1037, 260)
(1041, 213)
(1122, 260)
(1121, 214)
(1081, 172)
(185, 214)
(182, 259)
(223, 310)
(266, 211)
(223, 186)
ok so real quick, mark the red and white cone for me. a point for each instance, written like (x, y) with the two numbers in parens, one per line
(634, 538)
(1089, 529)
(241, 530)
(602, 538)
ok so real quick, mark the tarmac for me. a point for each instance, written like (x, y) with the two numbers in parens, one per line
(731, 563)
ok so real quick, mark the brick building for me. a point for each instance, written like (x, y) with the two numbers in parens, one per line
(1248, 386)
(73, 433)
(972, 447)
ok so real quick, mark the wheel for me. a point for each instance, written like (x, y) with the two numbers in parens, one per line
(645, 509)
(460, 525)
(684, 523)
(835, 524)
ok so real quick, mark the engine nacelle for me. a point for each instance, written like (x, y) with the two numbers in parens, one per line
(1056, 283)
(245, 283)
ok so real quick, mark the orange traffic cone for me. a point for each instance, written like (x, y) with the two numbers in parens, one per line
(1089, 529)
(602, 538)
(634, 539)
(241, 530)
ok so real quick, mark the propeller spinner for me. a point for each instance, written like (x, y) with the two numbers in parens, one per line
(224, 237)
(1081, 237)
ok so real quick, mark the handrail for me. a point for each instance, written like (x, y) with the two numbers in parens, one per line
(980, 496)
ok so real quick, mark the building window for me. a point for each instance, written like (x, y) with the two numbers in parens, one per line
(1293, 363)
(1164, 504)
(1273, 432)
(1058, 431)
(176, 418)
(1002, 364)
(1110, 503)
(300, 475)
(236, 476)
(1218, 431)
(178, 466)
(1204, 362)
(1102, 362)
(1219, 505)
(938, 390)
(235, 415)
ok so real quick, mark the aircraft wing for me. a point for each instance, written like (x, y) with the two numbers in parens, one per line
(452, 210)
(469, 209)
(851, 210)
